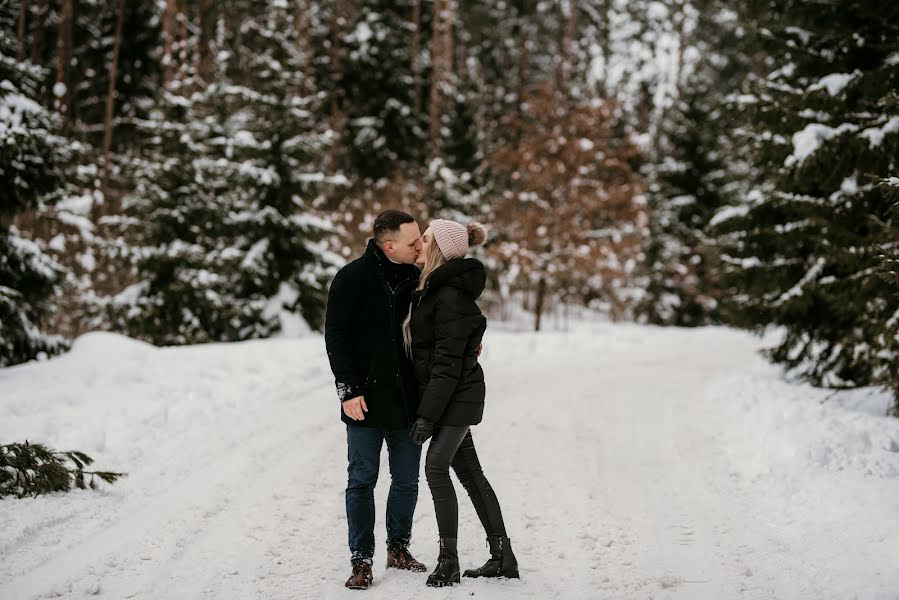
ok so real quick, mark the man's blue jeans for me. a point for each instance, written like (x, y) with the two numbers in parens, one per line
(364, 454)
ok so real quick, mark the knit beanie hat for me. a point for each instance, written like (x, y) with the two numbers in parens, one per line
(454, 239)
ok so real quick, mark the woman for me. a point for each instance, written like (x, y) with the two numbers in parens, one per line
(443, 334)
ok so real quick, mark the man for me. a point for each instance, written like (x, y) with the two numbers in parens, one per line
(367, 303)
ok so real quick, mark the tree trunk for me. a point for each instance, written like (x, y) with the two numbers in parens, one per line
(605, 46)
(181, 49)
(40, 32)
(416, 59)
(111, 93)
(681, 48)
(63, 59)
(20, 47)
(441, 66)
(304, 32)
(436, 43)
(335, 68)
(522, 57)
(168, 43)
(566, 47)
(448, 52)
(461, 41)
(539, 303)
(205, 25)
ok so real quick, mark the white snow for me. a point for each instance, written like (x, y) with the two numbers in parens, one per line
(729, 212)
(14, 107)
(833, 83)
(255, 254)
(810, 275)
(807, 141)
(32, 254)
(363, 32)
(292, 324)
(875, 135)
(642, 53)
(631, 462)
(77, 204)
(803, 34)
(785, 71)
(57, 243)
(244, 139)
(88, 261)
(848, 187)
(319, 177)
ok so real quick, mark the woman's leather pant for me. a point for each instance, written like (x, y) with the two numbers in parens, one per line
(452, 445)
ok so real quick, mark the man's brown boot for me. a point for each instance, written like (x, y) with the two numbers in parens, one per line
(361, 577)
(399, 557)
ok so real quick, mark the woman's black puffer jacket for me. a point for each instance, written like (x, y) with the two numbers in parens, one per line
(447, 327)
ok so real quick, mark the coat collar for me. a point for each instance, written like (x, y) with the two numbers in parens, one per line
(376, 258)
(466, 274)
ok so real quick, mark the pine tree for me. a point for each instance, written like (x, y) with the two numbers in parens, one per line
(33, 469)
(73, 231)
(682, 199)
(375, 94)
(293, 267)
(138, 65)
(30, 155)
(804, 248)
(406, 129)
(888, 339)
(691, 173)
(182, 255)
(228, 243)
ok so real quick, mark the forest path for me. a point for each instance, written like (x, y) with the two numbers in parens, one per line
(630, 462)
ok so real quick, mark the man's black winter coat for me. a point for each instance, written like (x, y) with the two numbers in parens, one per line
(368, 300)
(447, 328)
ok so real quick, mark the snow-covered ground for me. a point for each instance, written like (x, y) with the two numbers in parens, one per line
(631, 462)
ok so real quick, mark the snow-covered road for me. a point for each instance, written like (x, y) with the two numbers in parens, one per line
(630, 462)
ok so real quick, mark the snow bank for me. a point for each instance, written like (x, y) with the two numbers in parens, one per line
(799, 429)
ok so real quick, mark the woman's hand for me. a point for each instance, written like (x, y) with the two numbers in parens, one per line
(421, 430)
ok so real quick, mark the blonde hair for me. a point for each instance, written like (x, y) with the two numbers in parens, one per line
(433, 258)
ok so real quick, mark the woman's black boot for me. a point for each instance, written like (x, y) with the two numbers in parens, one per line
(447, 570)
(502, 562)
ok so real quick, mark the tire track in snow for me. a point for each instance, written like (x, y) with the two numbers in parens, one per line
(257, 529)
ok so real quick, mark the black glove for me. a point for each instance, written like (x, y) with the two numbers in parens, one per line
(421, 430)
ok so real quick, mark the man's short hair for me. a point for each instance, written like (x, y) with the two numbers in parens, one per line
(388, 223)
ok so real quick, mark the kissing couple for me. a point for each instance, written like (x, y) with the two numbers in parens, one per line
(403, 335)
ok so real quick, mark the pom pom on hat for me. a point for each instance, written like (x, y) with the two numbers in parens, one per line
(477, 234)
